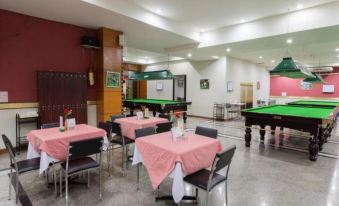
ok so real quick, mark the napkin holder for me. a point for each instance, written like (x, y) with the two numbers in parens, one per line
(140, 115)
(71, 123)
(176, 133)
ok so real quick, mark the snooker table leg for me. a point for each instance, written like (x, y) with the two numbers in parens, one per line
(262, 133)
(184, 116)
(154, 113)
(321, 138)
(313, 147)
(273, 129)
(248, 136)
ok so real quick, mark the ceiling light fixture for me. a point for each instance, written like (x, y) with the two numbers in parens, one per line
(300, 6)
(260, 57)
(215, 57)
(272, 60)
(228, 49)
(338, 56)
(289, 41)
(189, 55)
(242, 20)
(336, 49)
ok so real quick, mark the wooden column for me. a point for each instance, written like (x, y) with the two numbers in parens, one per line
(110, 59)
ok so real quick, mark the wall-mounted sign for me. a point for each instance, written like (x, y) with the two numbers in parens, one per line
(3, 96)
(229, 86)
(160, 86)
(305, 85)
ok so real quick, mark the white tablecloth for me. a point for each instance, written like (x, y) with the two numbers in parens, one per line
(177, 174)
(45, 159)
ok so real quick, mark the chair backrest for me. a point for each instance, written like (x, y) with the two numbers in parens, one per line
(105, 126)
(115, 128)
(208, 132)
(118, 116)
(82, 148)
(50, 125)
(10, 149)
(164, 127)
(144, 132)
(165, 116)
(222, 159)
(228, 105)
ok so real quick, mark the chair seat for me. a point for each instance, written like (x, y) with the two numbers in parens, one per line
(200, 179)
(80, 164)
(118, 140)
(27, 165)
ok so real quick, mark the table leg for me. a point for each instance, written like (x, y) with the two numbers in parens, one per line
(273, 129)
(248, 136)
(313, 148)
(154, 113)
(321, 138)
(262, 133)
(184, 116)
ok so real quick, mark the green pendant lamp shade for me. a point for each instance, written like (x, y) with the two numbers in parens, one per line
(152, 75)
(291, 69)
(315, 80)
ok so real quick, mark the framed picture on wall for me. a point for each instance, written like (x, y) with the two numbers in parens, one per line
(305, 85)
(229, 86)
(204, 83)
(112, 79)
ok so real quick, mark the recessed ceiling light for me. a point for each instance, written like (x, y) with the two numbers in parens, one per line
(338, 56)
(272, 60)
(215, 57)
(146, 57)
(336, 49)
(260, 57)
(242, 20)
(189, 55)
(300, 6)
(228, 49)
(159, 11)
(289, 41)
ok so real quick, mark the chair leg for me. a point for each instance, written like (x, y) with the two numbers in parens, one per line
(10, 185)
(60, 183)
(88, 179)
(138, 165)
(17, 188)
(127, 149)
(196, 195)
(55, 181)
(226, 195)
(123, 160)
(66, 178)
(207, 197)
(100, 190)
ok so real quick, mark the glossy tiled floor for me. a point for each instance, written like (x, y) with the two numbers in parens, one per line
(262, 175)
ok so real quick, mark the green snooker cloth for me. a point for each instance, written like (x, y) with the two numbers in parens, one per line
(152, 101)
(293, 110)
(314, 103)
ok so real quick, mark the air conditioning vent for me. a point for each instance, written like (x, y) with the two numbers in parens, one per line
(320, 69)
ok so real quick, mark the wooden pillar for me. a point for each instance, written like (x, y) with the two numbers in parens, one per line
(109, 99)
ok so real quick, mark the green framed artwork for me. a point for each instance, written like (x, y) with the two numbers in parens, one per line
(204, 83)
(112, 79)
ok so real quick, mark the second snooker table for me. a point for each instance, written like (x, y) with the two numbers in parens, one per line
(158, 105)
(318, 121)
(314, 103)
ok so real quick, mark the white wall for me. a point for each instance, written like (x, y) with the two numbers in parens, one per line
(202, 100)
(7, 122)
(240, 71)
(218, 72)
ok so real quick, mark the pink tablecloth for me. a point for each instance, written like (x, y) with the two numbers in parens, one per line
(160, 154)
(130, 124)
(55, 143)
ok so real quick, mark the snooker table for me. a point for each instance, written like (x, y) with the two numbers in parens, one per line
(318, 121)
(314, 103)
(158, 105)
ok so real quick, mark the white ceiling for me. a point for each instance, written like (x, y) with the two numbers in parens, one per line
(204, 15)
(204, 28)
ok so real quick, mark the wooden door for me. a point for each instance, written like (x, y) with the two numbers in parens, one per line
(246, 94)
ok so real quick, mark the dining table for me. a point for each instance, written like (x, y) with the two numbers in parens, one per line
(51, 144)
(164, 156)
(128, 125)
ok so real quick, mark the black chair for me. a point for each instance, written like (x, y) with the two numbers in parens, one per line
(50, 125)
(208, 132)
(164, 127)
(208, 179)
(165, 116)
(107, 127)
(20, 167)
(118, 116)
(144, 132)
(78, 161)
(122, 141)
(138, 134)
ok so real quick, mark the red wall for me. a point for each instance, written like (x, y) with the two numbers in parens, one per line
(29, 44)
(292, 87)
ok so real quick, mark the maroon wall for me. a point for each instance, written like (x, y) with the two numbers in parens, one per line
(29, 44)
(292, 86)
